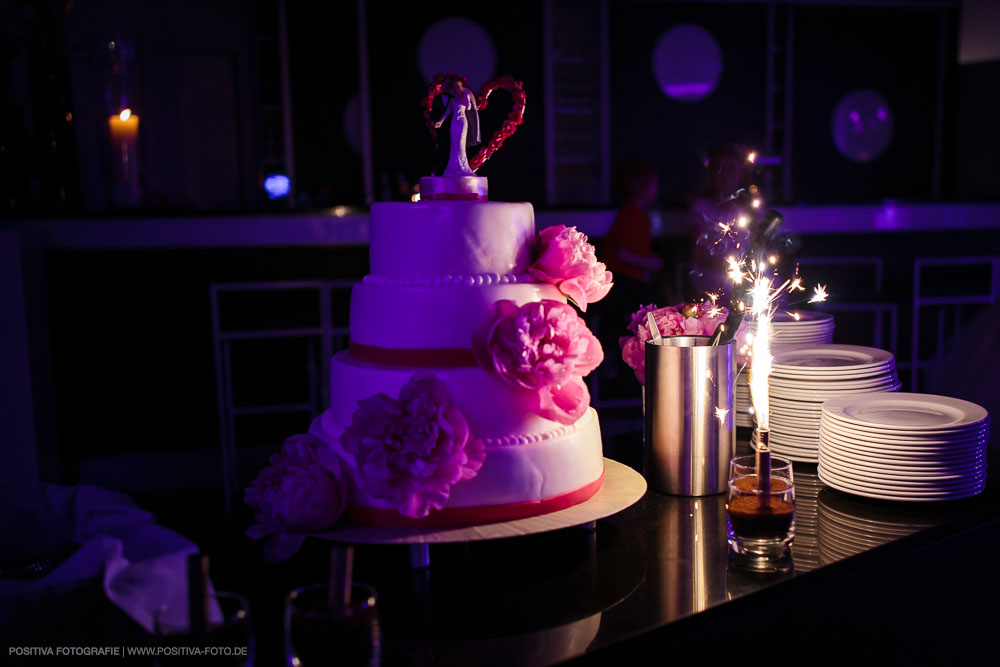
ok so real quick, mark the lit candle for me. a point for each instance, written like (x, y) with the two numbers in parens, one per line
(124, 129)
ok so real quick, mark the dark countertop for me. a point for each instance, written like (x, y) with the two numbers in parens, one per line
(653, 580)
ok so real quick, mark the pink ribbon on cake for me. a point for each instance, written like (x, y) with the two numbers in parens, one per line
(449, 357)
(455, 517)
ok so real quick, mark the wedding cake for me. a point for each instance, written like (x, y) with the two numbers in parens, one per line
(461, 398)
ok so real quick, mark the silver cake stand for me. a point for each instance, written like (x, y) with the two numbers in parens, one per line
(622, 487)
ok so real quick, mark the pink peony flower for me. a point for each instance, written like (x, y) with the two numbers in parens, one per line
(411, 451)
(566, 260)
(639, 317)
(671, 322)
(305, 489)
(544, 349)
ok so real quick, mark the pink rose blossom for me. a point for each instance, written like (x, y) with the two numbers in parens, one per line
(670, 322)
(544, 349)
(305, 489)
(566, 260)
(413, 449)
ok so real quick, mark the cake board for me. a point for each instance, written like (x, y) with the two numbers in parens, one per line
(622, 487)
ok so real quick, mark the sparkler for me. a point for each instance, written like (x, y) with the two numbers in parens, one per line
(819, 294)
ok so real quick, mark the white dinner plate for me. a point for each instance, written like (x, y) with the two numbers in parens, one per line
(898, 476)
(820, 384)
(882, 461)
(890, 434)
(880, 485)
(855, 489)
(915, 449)
(824, 395)
(905, 411)
(831, 358)
(956, 441)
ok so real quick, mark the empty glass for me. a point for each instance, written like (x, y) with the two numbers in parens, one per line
(227, 639)
(318, 632)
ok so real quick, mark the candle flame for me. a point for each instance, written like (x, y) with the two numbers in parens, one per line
(752, 157)
(819, 294)
(125, 114)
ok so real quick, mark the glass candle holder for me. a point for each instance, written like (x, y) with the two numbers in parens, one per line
(761, 521)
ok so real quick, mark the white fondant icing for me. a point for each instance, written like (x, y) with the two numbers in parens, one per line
(442, 316)
(434, 281)
(492, 408)
(438, 238)
(527, 472)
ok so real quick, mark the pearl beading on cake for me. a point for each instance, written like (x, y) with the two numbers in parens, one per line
(513, 440)
(438, 281)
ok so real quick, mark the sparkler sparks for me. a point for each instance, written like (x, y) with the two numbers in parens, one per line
(761, 297)
(721, 414)
(819, 294)
(735, 271)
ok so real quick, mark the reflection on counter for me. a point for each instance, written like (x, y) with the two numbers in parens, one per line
(849, 526)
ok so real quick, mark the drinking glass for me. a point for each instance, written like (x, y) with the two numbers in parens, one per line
(761, 523)
(746, 466)
(321, 632)
(227, 639)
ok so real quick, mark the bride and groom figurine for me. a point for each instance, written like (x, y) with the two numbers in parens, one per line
(460, 106)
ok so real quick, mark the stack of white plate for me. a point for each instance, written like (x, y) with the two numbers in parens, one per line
(804, 376)
(911, 447)
(846, 529)
(800, 327)
(787, 328)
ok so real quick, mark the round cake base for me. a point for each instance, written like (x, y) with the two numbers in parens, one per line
(622, 488)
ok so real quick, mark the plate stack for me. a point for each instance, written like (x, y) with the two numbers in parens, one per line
(910, 447)
(788, 328)
(805, 549)
(804, 376)
(846, 529)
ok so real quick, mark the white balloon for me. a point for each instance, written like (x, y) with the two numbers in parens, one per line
(457, 45)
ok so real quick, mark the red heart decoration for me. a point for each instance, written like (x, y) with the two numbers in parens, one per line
(508, 127)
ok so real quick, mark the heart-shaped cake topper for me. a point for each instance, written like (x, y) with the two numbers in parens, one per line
(444, 82)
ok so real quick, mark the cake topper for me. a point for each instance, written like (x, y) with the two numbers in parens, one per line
(456, 178)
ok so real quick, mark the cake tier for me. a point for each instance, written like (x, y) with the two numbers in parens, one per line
(494, 410)
(397, 314)
(434, 238)
(515, 480)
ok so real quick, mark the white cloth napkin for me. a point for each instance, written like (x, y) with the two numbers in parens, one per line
(143, 566)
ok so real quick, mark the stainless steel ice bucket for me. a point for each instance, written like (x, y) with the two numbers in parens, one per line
(689, 429)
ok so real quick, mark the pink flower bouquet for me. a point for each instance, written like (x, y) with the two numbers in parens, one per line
(569, 262)
(681, 320)
(543, 349)
(305, 489)
(413, 449)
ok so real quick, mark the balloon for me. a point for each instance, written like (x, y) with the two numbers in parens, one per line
(862, 125)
